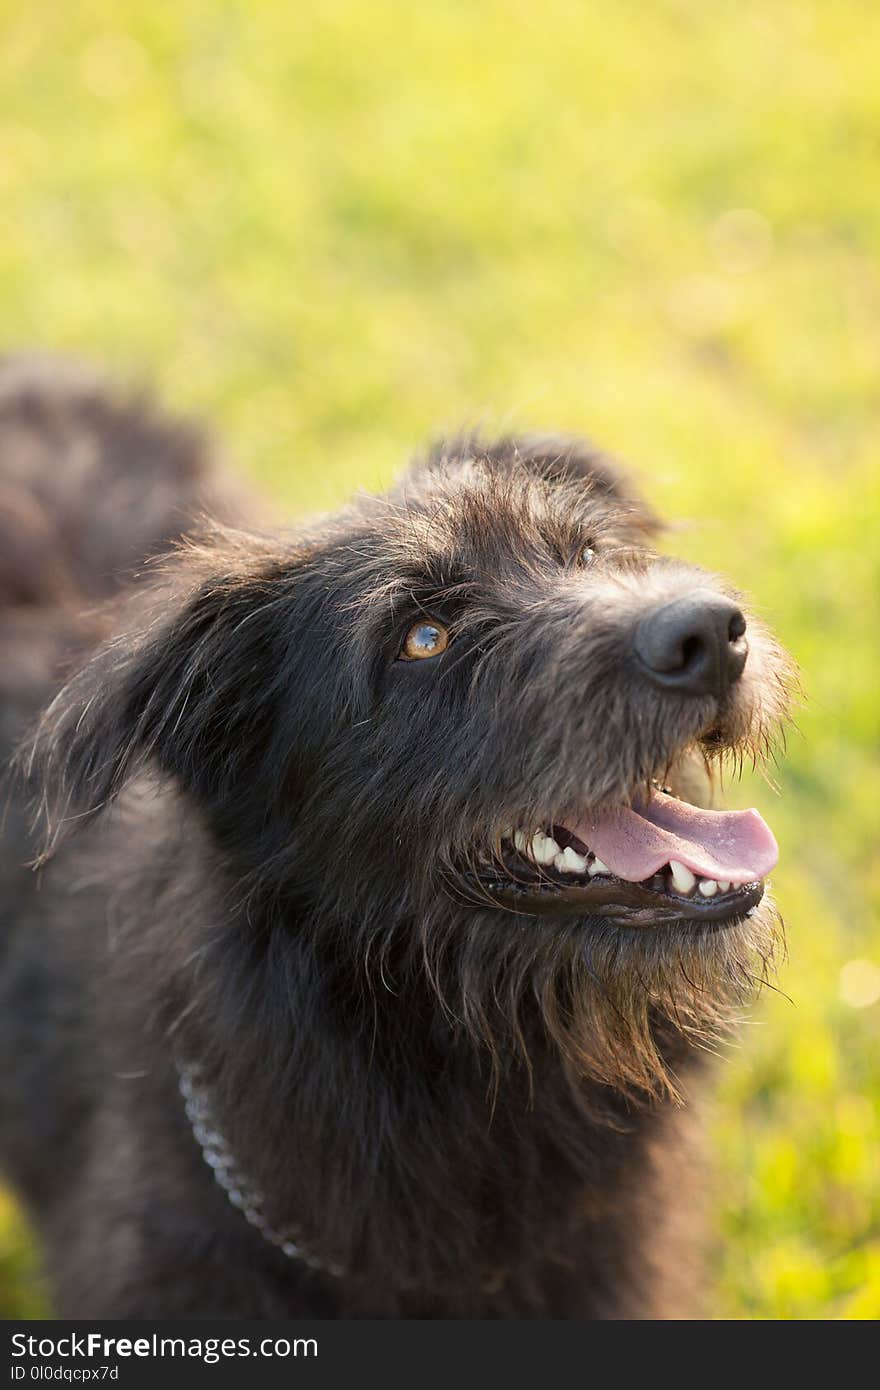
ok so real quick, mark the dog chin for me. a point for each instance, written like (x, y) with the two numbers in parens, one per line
(619, 1007)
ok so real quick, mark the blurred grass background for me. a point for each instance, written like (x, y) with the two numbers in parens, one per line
(335, 229)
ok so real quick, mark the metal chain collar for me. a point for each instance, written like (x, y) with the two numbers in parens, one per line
(239, 1188)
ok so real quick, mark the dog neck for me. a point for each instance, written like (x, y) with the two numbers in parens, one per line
(349, 1130)
(239, 1187)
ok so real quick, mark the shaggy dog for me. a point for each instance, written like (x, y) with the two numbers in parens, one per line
(378, 879)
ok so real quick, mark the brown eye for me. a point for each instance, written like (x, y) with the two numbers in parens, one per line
(424, 639)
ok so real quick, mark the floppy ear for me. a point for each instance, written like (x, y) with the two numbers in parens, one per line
(191, 685)
(556, 458)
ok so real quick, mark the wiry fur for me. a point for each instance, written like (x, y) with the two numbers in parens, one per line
(467, 1109)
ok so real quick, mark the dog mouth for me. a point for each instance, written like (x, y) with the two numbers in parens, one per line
(660, 860)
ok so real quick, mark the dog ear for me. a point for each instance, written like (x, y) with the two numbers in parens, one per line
(190, 685)
(556, 458)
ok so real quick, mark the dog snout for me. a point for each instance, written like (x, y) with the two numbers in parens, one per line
(695, 645)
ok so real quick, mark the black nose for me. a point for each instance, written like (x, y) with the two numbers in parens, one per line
(694, 645)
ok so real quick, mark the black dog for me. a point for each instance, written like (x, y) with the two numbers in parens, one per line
(397, 920)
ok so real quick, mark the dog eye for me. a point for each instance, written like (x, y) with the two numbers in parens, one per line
(584, 555)
(424, 639)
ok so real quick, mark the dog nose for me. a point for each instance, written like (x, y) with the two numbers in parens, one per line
(695, 645)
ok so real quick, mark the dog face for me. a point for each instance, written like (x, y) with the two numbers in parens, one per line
(538, 675)
(467, 728)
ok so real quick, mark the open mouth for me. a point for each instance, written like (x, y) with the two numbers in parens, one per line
(661, 860)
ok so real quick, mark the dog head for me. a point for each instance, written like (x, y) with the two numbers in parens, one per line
(466, 728)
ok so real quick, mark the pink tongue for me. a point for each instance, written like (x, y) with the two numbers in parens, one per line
(734, 845)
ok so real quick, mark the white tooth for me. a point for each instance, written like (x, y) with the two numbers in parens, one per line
(521, 841)
(682, 878)
(597, 867)
(724, 885)
(570, 862)
(708, 887)
(543, 848)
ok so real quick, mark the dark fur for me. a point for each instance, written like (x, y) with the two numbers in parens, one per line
(473, 1112)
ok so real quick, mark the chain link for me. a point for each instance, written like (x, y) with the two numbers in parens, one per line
(239, 1188)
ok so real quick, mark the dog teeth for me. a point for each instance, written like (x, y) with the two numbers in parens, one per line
(543, 848)
(570, 862)
(682, 878)
(540, 848)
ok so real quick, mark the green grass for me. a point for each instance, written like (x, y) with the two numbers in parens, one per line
(336, 229)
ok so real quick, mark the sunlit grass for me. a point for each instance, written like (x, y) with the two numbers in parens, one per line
(338, 229)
